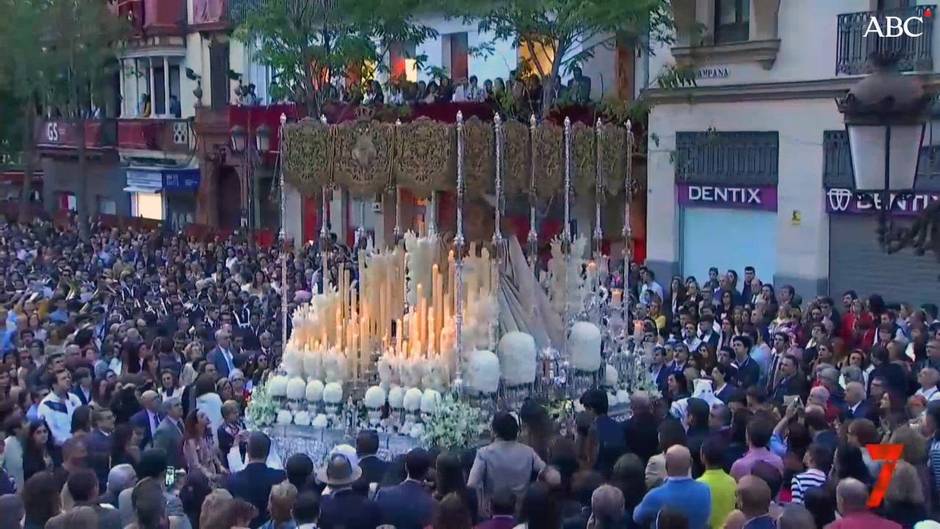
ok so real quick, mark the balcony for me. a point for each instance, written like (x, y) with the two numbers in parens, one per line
(853, 48)
(172, 136)
(210, 15)
(155, 17)
(62, 134)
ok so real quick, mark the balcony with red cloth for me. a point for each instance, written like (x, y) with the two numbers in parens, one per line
(210, 15)
(172, 136)
(63, 135)
(155, 17)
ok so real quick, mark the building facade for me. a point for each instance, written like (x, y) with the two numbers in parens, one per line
(752, 166)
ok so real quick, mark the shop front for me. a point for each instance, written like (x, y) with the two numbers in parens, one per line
(163, 194)
(728, 227)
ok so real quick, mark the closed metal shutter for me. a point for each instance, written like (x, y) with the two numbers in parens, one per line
(857, 262)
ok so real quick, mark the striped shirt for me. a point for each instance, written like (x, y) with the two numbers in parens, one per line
(934, 462)
(805, 481)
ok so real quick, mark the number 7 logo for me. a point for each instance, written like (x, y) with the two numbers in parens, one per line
(890, 454)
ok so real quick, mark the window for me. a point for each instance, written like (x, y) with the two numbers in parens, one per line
(401, 59)
(107, 206)
(731, 20)
(147, 205)
(218, 72)
(67, 201)
(456, 54)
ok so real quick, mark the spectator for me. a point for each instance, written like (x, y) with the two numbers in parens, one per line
(36, 453)
(409, 505)
(151, 469)
(344, 508)
(231, 512)
(281, 507)
(536, 510)
(671, 434)
(367, 446)
(78, 518)
(818, 460)
(505, 462)
(795, 516)
(17, 435)
(607, 508)
(83, 487)
(720, 484)
(629, 476)
(607, 433)
(758, 436)
(254, 482)
(307, 510)
(40, 500)
(193, 494)
(640, 429)
(679, 491)
(451, 513)
(449, 478)
(852, 501)
(299, 468)
(199, 452)
(120, 478)
(147, 419)
(169, 434)
(904, 502)
(11, 511)
(503, 504)
(125, 445)
(58, 406)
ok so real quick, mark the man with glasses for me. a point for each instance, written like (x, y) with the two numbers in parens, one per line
(169, 435)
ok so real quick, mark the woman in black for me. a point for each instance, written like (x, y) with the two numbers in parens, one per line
(37, 454)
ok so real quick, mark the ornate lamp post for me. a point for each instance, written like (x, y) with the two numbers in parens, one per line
(885, 115)
(243, 143)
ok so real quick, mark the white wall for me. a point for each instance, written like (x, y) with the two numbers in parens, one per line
(802, 250)
(498, 64)
(808, 33)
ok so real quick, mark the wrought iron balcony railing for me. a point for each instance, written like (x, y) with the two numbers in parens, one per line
(857, 41)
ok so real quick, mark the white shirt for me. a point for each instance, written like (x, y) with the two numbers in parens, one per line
(929, 395)
(57, 413)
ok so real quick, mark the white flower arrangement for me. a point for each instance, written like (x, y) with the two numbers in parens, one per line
(453, 425)
(278, 386)
(396, 397)
(302, 418)
(296, 388)
(262, 409)
(374, 398)
(314, 391)
(430, 400)
(333, 393)
(284, 417)
(292, 362)
(412, 400)
(319, 421)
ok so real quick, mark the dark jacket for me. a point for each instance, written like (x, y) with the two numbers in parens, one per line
(107, 518)
(408, 505)
(99, 455)
(347, 509)
(748, 373)
(373, 469)
(641, 434)
(142, 420)
(611, 443)
(253, 484)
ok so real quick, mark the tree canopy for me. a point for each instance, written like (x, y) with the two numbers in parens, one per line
(310, 42)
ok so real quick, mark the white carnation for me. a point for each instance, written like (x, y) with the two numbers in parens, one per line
(375, 397)
(412, 401)
(277, 387)
(314, 391)
(333, 393)
(296, 388)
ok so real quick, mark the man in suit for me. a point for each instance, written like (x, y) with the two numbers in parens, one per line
(148, 419)
(641, 429)
(83, 385)
(367, 446)
(344, 507)
(222, 356)
(82, 485)
(748, 370)
(409, 505)
(789, 381)
(856, 405)
(169, 434)
(99, 444)
(254, 483)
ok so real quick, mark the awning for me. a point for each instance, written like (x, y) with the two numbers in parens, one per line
(136, 189)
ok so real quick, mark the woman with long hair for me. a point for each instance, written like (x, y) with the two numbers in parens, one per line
(536, 510)
(677, 386)
(451, 513)
(125, 445)
(169, 386)
(536, 428)
(450, 480)
(192, 495)
(849, 463)
(193, 352)
(37, 451)
(678, 294)
(200, 452)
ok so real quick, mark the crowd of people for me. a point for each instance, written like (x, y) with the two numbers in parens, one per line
(523, 90)
(128, 361)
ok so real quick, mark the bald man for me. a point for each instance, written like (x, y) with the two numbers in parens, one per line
(680, 492)
(754, 500)
(852, 502)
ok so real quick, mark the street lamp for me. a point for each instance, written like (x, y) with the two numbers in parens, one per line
(263, 139)
(252, 148)
(885, 115)
(239, 139)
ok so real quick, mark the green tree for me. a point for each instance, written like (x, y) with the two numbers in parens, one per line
(24, 74)
(308, 43)
(564, 34)
(79, 42)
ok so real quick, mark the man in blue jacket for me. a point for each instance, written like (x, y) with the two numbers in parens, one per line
(254, 483)
(679, 492)
(409, 505)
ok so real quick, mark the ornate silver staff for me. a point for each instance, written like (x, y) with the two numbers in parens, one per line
(533, 237)
(627, 230)
(497, 231)
(459, 246)
(285, 248)
(324, 231)
(598, 230)
(397, 231)
(566, 233)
